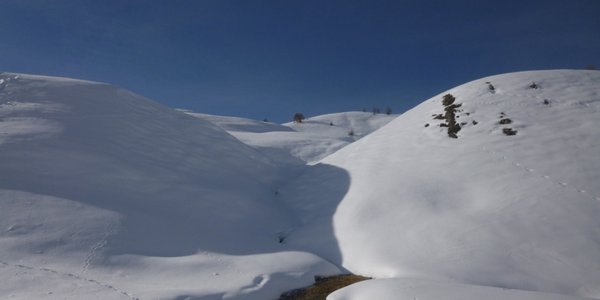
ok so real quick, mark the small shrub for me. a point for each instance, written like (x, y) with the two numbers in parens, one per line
(546, 102)
(298, 117)
(475, 122)
(427, 125)
(533, 85)
(448, 99)
(505, 121)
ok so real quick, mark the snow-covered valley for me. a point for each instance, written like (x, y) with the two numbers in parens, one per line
(105, 194)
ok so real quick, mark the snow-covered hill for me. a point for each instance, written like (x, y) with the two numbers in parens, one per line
(490, 207)
(236, 124)
(107, 195)
(301, 143)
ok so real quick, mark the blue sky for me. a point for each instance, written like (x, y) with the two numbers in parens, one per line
(269, 59)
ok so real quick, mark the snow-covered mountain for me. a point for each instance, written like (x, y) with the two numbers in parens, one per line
(486, 208)
(301, 143)
(491, 193)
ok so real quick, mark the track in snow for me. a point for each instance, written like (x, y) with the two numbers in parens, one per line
(553, 181)
(54, 273)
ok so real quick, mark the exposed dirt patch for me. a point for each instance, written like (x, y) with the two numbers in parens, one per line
(323, 287)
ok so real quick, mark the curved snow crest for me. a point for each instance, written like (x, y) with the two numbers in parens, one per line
(42, 78)
(236, 124)
(392, 289)
(517, 211)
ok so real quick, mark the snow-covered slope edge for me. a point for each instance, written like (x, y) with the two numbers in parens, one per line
(516, 211)
(107, 195)
(393, 289)
(301, 143)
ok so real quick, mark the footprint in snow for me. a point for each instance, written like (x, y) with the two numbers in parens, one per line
(563, 183)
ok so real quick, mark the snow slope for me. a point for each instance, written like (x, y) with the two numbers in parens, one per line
(301, 143)
(107, 195)
(486, 208)
(236, 124)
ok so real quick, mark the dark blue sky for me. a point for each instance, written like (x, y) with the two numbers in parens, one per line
(269, 59)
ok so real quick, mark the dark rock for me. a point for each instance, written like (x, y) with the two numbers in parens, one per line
(509, 131)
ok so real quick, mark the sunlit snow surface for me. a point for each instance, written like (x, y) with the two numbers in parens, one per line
(108, 195)
(488, 209)
(300, 143)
